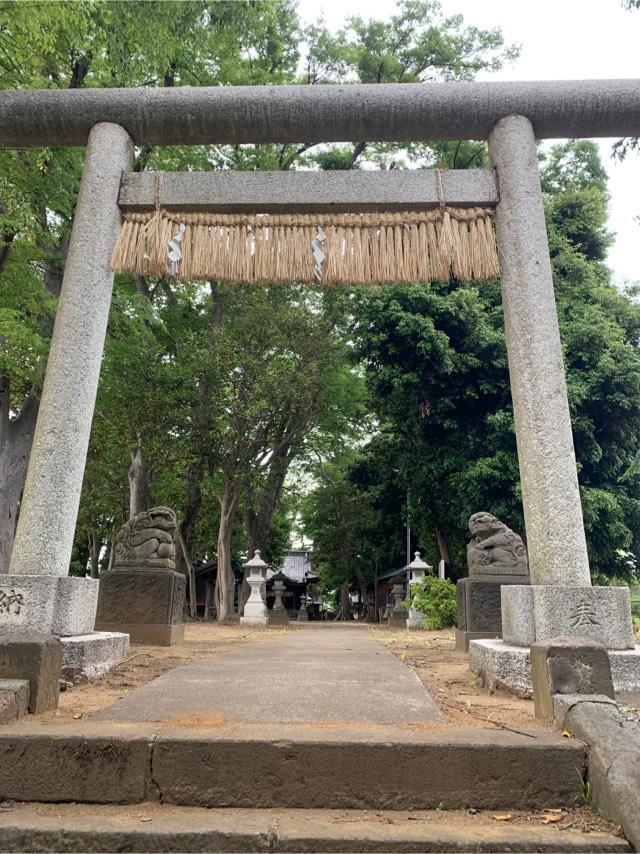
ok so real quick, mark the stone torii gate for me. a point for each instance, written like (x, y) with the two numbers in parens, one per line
(510, 115)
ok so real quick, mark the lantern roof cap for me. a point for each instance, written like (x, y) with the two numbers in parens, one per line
(418, 563)
(256, 561)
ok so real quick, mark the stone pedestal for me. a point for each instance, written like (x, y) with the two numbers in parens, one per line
(303, 614)
(147, 604)
(479, 608)
(256, 612)
(399, 614)
(59, 605)
(539, 612)
(278, 615)
(504, 665)
(535, 613)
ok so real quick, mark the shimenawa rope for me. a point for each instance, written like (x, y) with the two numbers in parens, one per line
(380, 247)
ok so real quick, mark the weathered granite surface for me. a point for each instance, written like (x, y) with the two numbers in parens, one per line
(569, 665)
(614, 760)
(37, 658)
(146, 541)
(49, 507)
(61, 605)
(495, 550)
(537, 612)
(133, 600)
(14, 699)
(548, 476)
(503, 665)
(86, 658)
(188, 115)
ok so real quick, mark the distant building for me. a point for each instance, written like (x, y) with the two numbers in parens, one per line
(300, 580)
(296, 571)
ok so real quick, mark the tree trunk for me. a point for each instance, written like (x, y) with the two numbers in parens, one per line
(193, 606)
(369, 606)
(225, 581)
(190, 513)
(95, 547)
(207, 601)
(258, 519)
(345, 603)
(139, 480)
(16, 436)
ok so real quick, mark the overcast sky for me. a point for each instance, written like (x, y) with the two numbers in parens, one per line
(562, 40)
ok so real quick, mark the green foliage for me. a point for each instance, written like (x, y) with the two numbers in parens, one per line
(436, 599)
(585, 792)
(436, 370)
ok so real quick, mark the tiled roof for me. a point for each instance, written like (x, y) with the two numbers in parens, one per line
(297, 567)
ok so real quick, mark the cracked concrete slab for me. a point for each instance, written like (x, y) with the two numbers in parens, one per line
(310, 676)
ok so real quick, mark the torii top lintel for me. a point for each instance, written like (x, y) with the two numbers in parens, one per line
(354, 112)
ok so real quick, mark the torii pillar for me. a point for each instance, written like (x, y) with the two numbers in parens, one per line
(560, 599)
(44, 596)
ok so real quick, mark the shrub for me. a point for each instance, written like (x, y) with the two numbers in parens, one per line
(436, 599)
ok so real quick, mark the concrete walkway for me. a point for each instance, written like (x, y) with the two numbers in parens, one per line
(313, 675)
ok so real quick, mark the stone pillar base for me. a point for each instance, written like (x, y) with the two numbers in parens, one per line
(86, 658)
(537, 612)
(464, 638)
(503, 665)
(254, 621)
(58, 605)
(278, 618)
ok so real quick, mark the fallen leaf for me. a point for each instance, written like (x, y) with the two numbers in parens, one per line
(550, 819)
(502, 817)
(77, 716)
(145, 819)
(566, 733)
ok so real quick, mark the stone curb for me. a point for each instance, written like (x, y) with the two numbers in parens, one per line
(485, 769)
(614, 760)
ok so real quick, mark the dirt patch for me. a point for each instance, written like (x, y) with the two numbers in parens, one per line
(144, 663)
(457, 692)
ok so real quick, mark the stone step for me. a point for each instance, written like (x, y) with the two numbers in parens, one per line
(152, 827)
(261, 766)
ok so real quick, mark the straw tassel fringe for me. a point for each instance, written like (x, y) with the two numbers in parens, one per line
(359, 248)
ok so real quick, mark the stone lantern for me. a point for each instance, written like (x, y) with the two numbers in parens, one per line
(255, 610)
(416, 570)
(278, 615)
(303, 614)
(398, 614)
